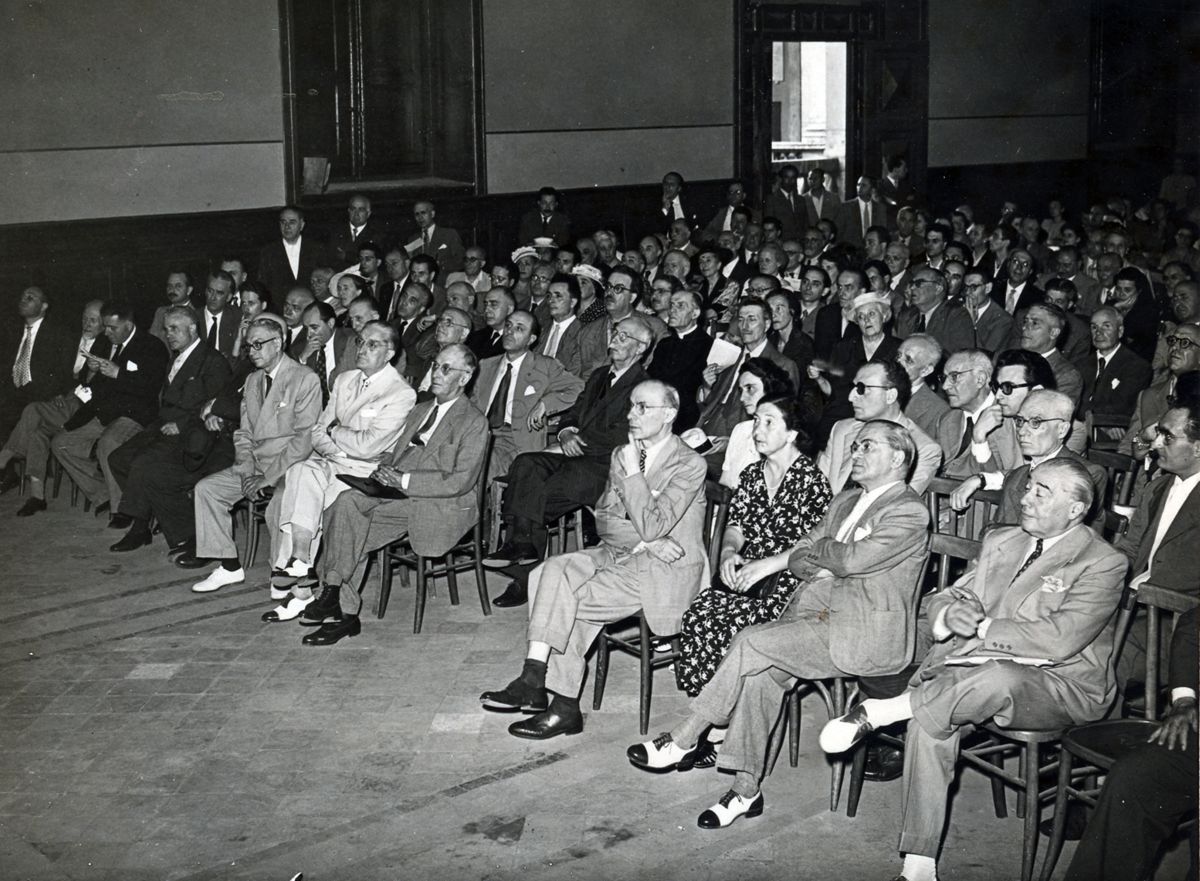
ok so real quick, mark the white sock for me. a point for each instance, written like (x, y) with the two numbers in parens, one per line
(885, 711)
(919, 868)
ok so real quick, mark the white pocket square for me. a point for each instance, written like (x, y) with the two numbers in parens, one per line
(1116, 382)
(1052, 584)
(862, 532)
(369, 412)
(281, 405)
(530, 390)
(131, 366)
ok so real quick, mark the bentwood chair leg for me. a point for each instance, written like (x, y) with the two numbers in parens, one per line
(1023, 773)
(647, 675)
(419, 605)
(601, 670)
(385, 582)
(793, 724)
(480, 578)
(999, 798)
(858, 770)
(452, 579)
(1058, 832)
(1033, 811)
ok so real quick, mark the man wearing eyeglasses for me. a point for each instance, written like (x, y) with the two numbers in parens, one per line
(621, 296)
(366, 411)
(434, 465)
(929, 311)
(651, 559)
(1019, 292)
(992, 325)
(281, 401)
(1183, 356)
(920, 355)
(967, 384)
(453, 327)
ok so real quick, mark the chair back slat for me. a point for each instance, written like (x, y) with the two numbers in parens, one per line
(716, 512)
(1157, 600)
(1120, 471)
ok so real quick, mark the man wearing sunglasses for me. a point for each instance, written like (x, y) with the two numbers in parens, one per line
(1183, 356)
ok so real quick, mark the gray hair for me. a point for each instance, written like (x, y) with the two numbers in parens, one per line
(898, 438)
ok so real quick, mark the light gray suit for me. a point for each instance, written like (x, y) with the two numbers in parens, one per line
(925, 408)
(1062, 607)
(572, 596)
(568, 353)
(855, 612)
(274, 433)
(992, 328)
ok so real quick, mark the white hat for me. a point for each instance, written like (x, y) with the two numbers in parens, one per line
(586, 270)
(523, 251)
(544, 242)
(870, 298)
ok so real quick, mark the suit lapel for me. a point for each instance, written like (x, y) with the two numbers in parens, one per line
(1051, 561)
(1184, 521)
(416, 418)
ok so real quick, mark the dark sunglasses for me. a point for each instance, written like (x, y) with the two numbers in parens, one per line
(1007, 388)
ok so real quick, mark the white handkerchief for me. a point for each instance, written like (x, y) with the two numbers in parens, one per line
(1052, 584)
(83, 393)
(530, 390)
(131, 366)
(862, 532)
(369, 412)
(1116, 382)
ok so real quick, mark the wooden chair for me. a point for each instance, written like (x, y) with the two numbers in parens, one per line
(559, 531)
(252, 517)
(633, 636)
(1121, 471)
(470, 548)
(1098, 745)
(1098, 426)
(969, 523)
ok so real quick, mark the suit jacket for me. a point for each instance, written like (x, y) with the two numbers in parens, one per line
(540, 380)
(830, 205)
(593, 340)
(275, 431)
(722, 408)
(1066, 377)
(569, 354)
(1125, 375)
(50, 362)
(443, 474)
(1005, 452)
(793, 216)
(713, 229)
(679, 362)
(368, 423)
(993, 329)
(558, 227)
(1151, 405)
(1062, 607)
(834, 460)
(387, 295)
(925, 408)
(1174, 564)
(798, 349)
(480, 342)
(1141, 327)
(1015, 480)
(601, 412)
(275, 272)
(227, 331)
(102, 348)
(418, 347)
(849, 221)
(847, 357)
(1088, 288)
(345, 352)
(199, 379)
(444, 246)
(1030, 294)
(666, 502)
(871, 581)
(133, 392)
(828, 331)
(158, 323)
(949, 324)
(342, 247)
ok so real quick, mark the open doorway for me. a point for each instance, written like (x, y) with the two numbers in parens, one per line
(808, 108)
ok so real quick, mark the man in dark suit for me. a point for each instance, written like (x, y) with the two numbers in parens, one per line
(498, 304)
(680, 356)
(41, 420)
(439, 242)
(735, 198)
(1113, 374)
(418, 342)
(785, 204)
(819, 203)
(931, 312)
(387, 294)
(651, 559)
(1066, 268)
(435, 466)
(1134, 299)
(860, 214)
(786, 335)
(1075, 342)
(894, 189)
(544, 486)
(669, 207)
(1046, 589)
(39, 355)
(220, 322)
(545, 221)
(1150, 789)
(835, 320)
(345, 238)
(158, 466)
(1018, 292)
(290, 260)
(329, 351)
(1041, 327)
(123, 399)
(863, 558)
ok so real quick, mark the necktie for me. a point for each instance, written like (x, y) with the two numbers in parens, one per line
(500, 400)
(212, 333)
(966, 438)
(355, 232)
(1037, 552)
(21, 373)
(495, 337)
(425, 241)
(1010, 301)
(1104, 295)
(921, 323)
(320, 368)
(733, 382)
(545, 222)
(642, 459)
(266, 385)
(611, 377)
(117, 352)
(428, 424)
(551, 347)
(866, 219)
(1101, 363)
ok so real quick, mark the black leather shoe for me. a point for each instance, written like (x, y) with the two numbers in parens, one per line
(102, 508)
(511, 553)
(133, 540)
(660, 755)
(9, 480)
(516, 696)
(514, 595)
(884, 763)
(325, 609)
(181, 548)
(328, 634)
(120, 521)
(32, 506)
(546, 724)
(187, 559)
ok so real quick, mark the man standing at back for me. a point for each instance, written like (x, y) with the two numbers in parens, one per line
(290, 260)
(439, 242)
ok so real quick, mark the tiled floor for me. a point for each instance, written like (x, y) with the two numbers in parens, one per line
(151, 733)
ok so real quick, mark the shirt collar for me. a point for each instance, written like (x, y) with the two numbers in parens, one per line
(1034, 462)
(183, 356)
(1048, 543)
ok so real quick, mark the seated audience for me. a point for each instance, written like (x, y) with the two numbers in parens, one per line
(1046, 589)
(621, 296)
(651, 559)
(864, 557)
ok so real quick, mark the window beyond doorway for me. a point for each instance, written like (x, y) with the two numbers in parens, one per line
(808, 108)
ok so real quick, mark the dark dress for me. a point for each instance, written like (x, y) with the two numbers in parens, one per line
(770, 527)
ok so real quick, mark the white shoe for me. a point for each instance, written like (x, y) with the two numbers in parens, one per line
(729, 808)
(660, 754)
(218, 578)
(280, 593)
(287, 611)
(844, 732)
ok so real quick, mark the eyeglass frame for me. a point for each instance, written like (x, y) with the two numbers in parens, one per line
(861, 387)
(1035, 422)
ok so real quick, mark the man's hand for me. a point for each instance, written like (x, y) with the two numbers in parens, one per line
(989, 421)
(572, 445)
(666, 549)
(963, 617)
(103, 367)
(961, 497)
(1173, 732)
(170, 429)
(537, 417)
(213, 423)
(427, 321)
(311, 344)
(389, 476)
(629, 457)
(709, 376)
(253, 485)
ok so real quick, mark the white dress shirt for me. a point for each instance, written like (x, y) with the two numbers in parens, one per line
(292, 249)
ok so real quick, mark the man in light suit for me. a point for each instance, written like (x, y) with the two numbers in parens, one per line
(560, 336)
(651, 559)
(819, 203)
(993, 326)
(364, 416)
(519, 391)
(880, 391)
(158, 466)
(919, 356)
(439, 242)
(1047, 589)
(860, 214)
(435, 465)
(289, 261)
(968, 378)
(855, 613)
(280, 406)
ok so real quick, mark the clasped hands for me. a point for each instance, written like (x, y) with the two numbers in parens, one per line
(965, 613)
(740, 574)
(388, 476)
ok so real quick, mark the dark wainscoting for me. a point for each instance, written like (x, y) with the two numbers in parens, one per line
(131, 257)
(986, 187)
